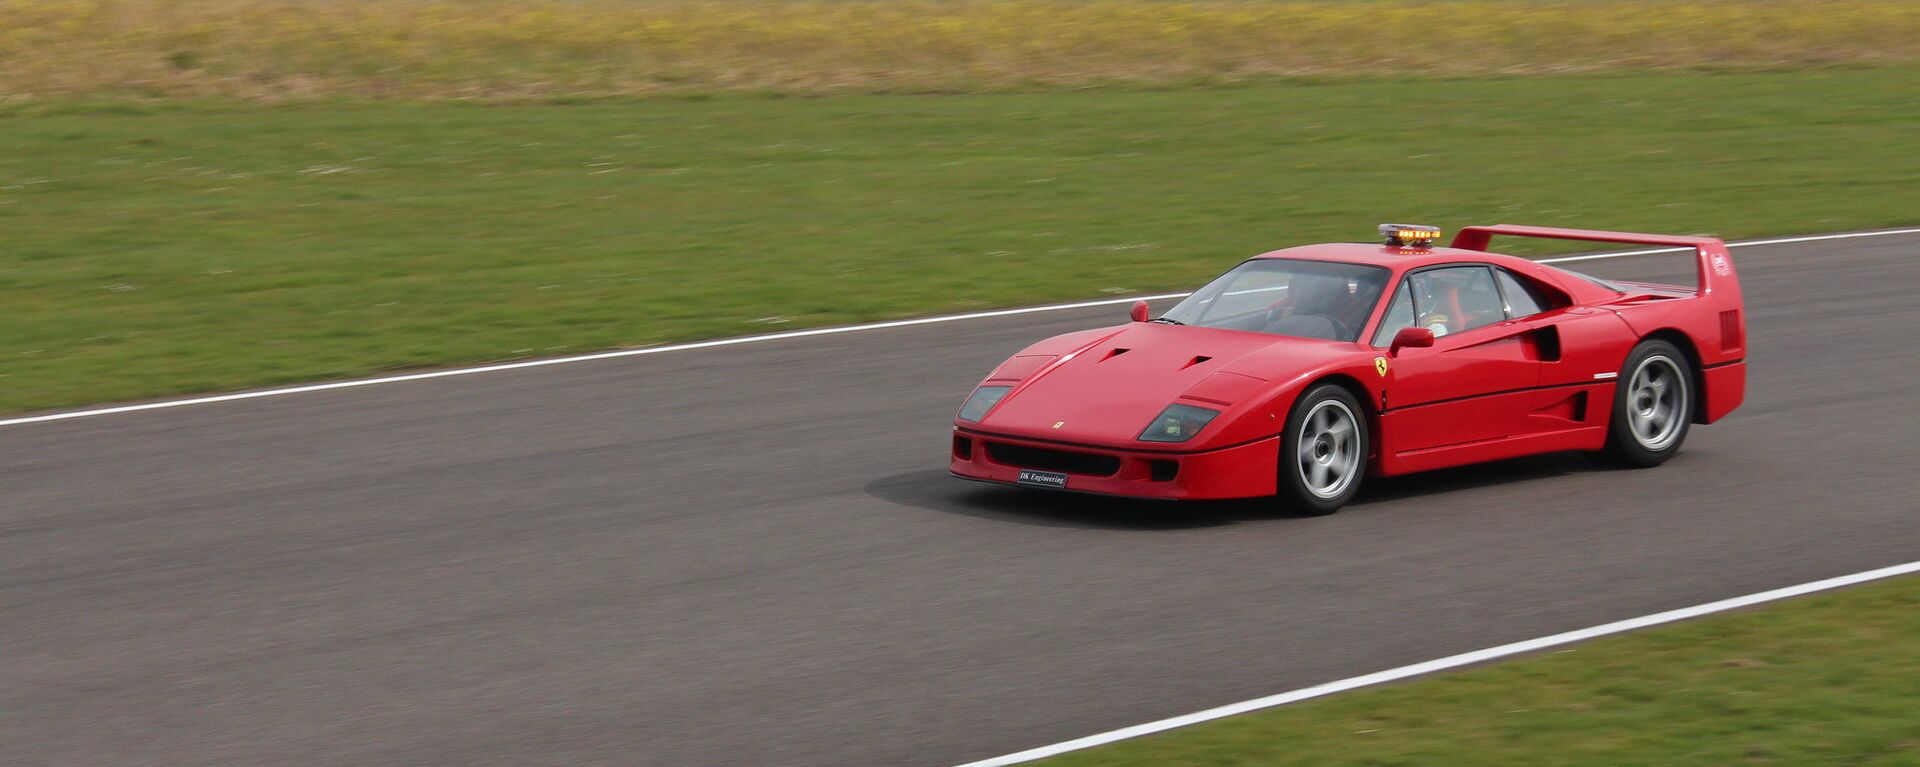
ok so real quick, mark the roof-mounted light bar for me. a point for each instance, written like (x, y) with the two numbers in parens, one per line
(1410, 235)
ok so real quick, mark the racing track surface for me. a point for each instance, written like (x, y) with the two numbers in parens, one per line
(753, 555)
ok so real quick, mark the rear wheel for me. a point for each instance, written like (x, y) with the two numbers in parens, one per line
(1323, 452)
(1652, 406)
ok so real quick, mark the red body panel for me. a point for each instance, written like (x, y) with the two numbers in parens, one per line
(1708, 321)
(1241, 471)
(1534, 384)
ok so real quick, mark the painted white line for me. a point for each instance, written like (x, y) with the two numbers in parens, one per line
(1746, 244)
(1621, 254)
(331, 385)
(569, 360)
(1442, 664)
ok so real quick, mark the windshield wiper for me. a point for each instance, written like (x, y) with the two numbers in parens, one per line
(1167, 320)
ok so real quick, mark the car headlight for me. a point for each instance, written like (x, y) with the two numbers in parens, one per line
(982, 400)
(1178, 423)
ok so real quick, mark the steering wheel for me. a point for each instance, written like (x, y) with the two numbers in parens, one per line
(1345, 332)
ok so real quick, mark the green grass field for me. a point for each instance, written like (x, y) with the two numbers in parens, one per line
(168, 248)
(1826, 680)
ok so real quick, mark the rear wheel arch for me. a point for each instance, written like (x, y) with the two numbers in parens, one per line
(1695, 370)
(1638, 435)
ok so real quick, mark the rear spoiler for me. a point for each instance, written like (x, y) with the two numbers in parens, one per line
(1715, 265)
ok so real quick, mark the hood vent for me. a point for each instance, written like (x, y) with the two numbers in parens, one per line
(1195, 361)
(1112, 353)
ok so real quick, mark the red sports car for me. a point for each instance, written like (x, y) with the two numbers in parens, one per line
(1301, 371)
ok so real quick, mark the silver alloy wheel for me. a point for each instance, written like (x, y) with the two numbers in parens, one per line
(1329, 449)
(1657, 402)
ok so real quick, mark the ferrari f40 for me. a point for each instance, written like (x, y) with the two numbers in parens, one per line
(1301, 372)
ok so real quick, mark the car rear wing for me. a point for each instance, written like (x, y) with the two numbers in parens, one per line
(1715, 265)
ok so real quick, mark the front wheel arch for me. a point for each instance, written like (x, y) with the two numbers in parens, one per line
(1293, 490)
(1369, 406)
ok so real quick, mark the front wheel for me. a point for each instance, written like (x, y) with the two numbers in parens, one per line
(1323, 452)
(1652, 406)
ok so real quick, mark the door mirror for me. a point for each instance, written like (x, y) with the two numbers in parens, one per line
(1410, 338)
(1140, 311)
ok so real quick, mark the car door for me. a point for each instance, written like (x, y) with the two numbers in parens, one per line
(1475, 383)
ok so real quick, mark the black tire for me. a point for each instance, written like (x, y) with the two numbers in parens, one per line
(1299, 492)
(1636, 436)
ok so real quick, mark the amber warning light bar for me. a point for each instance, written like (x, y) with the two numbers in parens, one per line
(1409, 235)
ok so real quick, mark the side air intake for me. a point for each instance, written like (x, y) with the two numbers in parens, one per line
(1732, 335)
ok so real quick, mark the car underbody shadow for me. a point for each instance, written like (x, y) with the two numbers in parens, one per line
(936, 490)
(1512, 470)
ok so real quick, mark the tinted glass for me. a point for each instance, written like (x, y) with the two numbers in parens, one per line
(1309, 299)
(1456, 298)
(1399, 317)
(1522, 299)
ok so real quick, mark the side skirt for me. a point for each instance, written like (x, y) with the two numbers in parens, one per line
(1578, 438)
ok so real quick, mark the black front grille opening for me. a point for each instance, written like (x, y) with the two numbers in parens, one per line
(1047, 459)
(1163, 471)
(963, 448)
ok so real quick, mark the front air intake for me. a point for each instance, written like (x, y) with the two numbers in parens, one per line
(1162, 470)
(1049, 459)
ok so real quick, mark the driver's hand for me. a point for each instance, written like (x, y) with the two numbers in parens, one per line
(1279, 310)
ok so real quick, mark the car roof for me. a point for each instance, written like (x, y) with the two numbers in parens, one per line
(1390, 256)
(1401, 259)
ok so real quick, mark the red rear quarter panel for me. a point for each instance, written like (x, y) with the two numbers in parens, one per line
(1712, 333)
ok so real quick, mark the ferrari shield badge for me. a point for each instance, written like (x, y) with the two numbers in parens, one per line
(1380, 366)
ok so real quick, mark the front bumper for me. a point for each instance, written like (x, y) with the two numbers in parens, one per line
(1239, 471)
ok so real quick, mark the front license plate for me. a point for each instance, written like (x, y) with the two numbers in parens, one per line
(1051, 479)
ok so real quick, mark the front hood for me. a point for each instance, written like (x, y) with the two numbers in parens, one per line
(1112, 384)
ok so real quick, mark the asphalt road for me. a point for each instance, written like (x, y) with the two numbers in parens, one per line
(753, 554)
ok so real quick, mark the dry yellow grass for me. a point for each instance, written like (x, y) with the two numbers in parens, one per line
(278, 49)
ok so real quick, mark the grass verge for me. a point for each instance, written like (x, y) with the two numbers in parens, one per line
(521, 49)
(170, 248)
(1831, 679)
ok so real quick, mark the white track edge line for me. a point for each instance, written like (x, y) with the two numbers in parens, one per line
(569, 360)
(1442, 664)
(617, 353)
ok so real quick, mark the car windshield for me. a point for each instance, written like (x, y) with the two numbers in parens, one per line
(1309, 299)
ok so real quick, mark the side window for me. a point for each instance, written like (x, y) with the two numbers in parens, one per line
(1399, 315)
(1456, 298)
(1523, 300)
